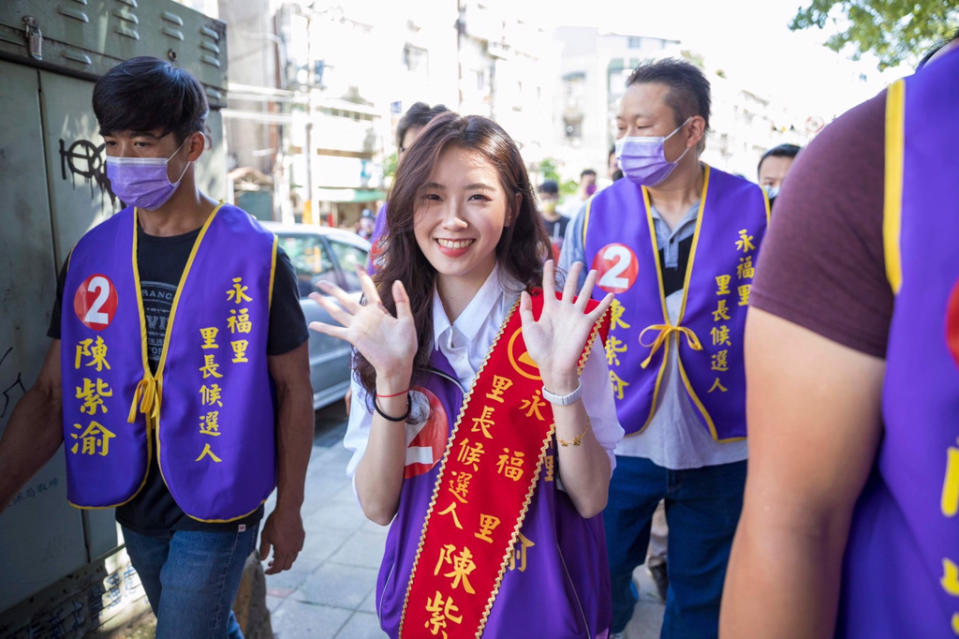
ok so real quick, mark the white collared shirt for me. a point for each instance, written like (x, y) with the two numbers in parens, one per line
(465, 344)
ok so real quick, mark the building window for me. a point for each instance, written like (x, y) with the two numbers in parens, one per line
(573, 126)
(416, 59)
(634, 42)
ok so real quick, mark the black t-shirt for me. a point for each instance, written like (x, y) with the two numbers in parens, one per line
(674, 278)
(161, 261)
(556, 229)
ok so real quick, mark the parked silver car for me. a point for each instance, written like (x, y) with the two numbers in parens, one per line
(321, 253)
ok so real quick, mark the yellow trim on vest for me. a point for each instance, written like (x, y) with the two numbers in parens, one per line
(667, 329)
(692, 249)
(166, 345)
(766, 203)
(143, 357)
(269, 303)
(225, 521)
(682, 312)
(892, 195)
(169, 331)
(143, 482)
(144, 360)
(662, 299)
(664, 332)
(138, 393)
(179, 288)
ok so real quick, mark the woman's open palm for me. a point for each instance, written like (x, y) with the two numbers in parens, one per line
(556, 340)
(388, 343)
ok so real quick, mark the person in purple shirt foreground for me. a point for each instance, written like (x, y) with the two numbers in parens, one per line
(850, 526)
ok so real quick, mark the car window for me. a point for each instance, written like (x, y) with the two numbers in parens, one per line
(310, 260)
(350, 258)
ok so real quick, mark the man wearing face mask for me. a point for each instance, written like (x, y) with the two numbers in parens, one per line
(676, 241)
(547, 195)
(587, 187)
(773, 166)
(178, 374)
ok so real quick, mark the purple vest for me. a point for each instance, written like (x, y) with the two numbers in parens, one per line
(900, 572)
(208, 409)
(620, 242)
(557, 585)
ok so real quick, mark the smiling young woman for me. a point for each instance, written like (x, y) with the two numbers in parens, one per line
(475, 391)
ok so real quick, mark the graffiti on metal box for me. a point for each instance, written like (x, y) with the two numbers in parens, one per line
(85, 159)
(8, 388)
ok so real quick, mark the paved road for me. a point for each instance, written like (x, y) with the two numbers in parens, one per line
(329, 591)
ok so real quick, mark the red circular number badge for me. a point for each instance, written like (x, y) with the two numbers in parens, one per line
(95, 302)
(616, 266)
(376, 253)
(428, 445)
(952, 323)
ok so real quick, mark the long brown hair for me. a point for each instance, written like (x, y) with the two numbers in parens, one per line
(521, 250)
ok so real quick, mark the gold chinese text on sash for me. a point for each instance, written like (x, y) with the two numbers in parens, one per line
(483, 490)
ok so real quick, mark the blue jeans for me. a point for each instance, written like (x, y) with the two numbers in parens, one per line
(191, 579)
(702, 509)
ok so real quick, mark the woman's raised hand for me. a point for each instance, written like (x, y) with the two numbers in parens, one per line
(388, 343)
(555, 341)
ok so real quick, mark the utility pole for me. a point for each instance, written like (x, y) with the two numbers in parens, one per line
(460, 32)
(311, 82)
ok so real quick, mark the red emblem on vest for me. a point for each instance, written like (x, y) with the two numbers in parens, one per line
(95, 302)
(952, 323)
(428, 445)
(617, 267)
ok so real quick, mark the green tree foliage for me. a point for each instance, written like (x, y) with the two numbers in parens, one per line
(390, 163)
(695, 58)
(548, 168)
(895, 31)
(569, 187)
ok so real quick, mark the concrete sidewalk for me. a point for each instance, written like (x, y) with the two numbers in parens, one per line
(328, 594)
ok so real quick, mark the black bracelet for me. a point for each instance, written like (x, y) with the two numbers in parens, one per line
(403, 418)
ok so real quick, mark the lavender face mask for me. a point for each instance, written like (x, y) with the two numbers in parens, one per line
(643, 159)
(143, 182)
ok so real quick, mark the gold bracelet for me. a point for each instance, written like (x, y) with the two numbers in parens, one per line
(576, 441)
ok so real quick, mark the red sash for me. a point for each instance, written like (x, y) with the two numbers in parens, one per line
(484, 488)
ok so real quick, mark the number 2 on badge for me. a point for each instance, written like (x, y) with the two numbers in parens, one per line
(95, 302)
(617, 266)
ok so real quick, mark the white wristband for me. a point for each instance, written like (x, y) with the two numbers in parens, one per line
(563, 400)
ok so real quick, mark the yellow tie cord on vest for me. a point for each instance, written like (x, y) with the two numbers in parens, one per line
(148, 394)
(665, 330)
